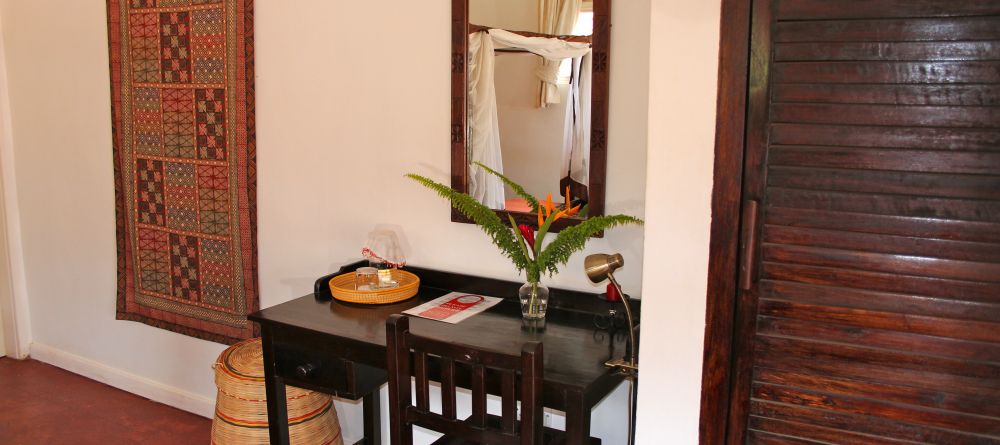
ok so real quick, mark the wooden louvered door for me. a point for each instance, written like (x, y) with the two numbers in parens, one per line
(871, 312)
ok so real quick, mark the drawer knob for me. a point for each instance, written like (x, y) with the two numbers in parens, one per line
(306, 370)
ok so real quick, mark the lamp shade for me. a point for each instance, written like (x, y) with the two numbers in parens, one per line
(599, 265)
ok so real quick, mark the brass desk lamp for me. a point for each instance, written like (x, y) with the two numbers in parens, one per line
(601, 266)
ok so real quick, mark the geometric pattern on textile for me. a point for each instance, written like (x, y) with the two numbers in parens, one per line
(185, 164)
(145, 41)
(184, 266)
(182, 197)
(154, 263)
(178, 123)
(168, 3)
(213, 199)
(216, 279)
(152, 209)
(175, 47)
(210, 115)
(208, 40)
(147, 123)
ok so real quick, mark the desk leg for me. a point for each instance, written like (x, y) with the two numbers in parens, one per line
(277, 408)
(373, 418)
(577, 419)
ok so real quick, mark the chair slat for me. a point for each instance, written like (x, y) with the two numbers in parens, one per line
(508, 401)
(448, 388)
(422, 384)
(531, 393)
(478, 396)
(408, 355)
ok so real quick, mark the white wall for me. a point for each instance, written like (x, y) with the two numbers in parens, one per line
(515, 15)
(338, 123)
(531, 138)
(57, 63)
(6, 290)
(14, 316)
(683, 64)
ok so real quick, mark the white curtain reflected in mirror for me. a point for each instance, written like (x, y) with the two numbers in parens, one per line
(544, 145)
(555, 17)
(484, 124)
(576, 140)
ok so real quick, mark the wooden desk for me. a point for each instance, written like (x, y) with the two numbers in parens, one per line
(339, 348)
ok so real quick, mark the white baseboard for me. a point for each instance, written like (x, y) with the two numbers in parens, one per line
(124, 380)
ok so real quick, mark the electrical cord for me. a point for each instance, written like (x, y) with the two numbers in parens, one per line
(631, 408)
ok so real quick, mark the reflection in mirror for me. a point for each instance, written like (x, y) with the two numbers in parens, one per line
(529, 99)
(546, 138)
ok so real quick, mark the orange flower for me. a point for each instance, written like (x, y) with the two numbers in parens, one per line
(548, 205)
(559, 214)
(567, 197)
(573, 211)
(540, 219)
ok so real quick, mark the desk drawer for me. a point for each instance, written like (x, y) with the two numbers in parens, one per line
(308, 367)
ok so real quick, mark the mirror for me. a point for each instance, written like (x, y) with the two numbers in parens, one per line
(547, 135)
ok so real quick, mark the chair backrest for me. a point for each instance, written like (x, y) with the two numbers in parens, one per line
(524, 371)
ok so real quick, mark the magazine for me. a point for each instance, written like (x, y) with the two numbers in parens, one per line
(454, 307)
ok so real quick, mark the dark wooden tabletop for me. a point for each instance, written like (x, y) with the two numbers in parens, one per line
(575, 348)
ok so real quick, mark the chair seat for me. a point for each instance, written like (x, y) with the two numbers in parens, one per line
(550, 436)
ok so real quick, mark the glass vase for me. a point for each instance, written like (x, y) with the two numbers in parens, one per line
(534, 300)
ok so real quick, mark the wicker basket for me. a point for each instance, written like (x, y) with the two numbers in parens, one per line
(241, 405)
(342, 288)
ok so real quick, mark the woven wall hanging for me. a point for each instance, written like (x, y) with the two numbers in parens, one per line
(185, 173)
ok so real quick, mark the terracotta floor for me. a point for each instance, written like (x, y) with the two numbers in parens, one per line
(42, 404)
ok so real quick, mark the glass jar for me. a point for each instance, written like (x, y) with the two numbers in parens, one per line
(385, 255)
(366, 279)
(386, 273)
(534, 298)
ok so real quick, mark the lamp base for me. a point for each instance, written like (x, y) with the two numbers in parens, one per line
(623, 366)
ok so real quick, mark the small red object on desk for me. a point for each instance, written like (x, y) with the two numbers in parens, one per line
(612, 294)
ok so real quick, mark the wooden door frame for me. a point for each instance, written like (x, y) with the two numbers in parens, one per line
(727, 200)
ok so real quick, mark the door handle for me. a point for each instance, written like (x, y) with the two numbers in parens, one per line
(749, 255)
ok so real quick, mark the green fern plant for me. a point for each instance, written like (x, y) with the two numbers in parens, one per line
(520, 191)
(483, 216)
(574, 239)
(523, 244)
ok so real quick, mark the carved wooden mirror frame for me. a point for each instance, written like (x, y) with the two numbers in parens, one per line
(601, 47)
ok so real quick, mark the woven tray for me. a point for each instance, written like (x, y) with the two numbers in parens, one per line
(342, 288)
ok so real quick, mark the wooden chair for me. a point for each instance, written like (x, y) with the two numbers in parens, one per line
(524, 371)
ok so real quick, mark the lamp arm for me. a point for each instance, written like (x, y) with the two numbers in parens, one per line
(631, 326)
